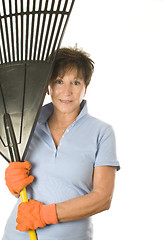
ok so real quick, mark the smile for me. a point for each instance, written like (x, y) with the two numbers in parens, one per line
(65, 101)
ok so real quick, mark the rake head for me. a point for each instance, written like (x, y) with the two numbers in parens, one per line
(31, 32)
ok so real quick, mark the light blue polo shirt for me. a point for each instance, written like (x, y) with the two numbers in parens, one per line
(65, 172)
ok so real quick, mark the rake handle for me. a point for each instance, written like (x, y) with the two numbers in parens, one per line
(14, 153)
(24, 198)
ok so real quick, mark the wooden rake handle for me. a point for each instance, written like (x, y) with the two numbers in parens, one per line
(24, 198)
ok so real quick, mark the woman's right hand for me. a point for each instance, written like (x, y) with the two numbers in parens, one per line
(17, 176)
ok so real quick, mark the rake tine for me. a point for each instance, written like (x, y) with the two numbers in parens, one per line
(42, 30)
(59, 27)
(22, 28)
(64, 28)
(6, 31)
(37, 30)
(3, 42)
(54, 25)
(12, 34)
(27, 30)
(17, 35)
(48, 27)
(32, 31)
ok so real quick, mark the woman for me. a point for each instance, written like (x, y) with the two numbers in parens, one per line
(73, 160)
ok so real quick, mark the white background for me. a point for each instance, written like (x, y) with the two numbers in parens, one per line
(125, 39)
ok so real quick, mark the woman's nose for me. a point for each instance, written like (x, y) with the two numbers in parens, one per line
(67, 90)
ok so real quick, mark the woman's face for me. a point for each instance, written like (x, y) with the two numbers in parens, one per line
(67, 92)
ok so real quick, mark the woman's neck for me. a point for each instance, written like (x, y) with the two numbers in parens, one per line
(62, 120)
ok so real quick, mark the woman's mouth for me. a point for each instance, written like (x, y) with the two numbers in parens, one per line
(65, 101)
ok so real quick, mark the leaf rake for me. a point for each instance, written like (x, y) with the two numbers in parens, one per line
(31, 32)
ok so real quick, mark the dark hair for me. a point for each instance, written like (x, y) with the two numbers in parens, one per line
(68, 58)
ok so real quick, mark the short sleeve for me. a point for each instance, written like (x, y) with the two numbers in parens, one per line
(106, 149)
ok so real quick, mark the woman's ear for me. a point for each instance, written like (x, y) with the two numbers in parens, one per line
(85, 91)
(47, 90)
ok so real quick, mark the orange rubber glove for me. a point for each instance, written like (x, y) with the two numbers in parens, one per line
(33, 214)
(16, 176)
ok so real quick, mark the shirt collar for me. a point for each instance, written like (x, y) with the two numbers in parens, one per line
(48, 109)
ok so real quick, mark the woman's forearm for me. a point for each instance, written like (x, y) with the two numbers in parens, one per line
(82, 207)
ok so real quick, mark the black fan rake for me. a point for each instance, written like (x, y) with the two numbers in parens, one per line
(31, 32)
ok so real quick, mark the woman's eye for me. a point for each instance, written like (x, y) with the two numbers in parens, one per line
(76, 82)
(59, 81)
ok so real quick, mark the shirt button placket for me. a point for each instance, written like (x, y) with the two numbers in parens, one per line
(55, 153)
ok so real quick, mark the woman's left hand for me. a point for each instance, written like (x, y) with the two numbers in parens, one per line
(33, 214)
